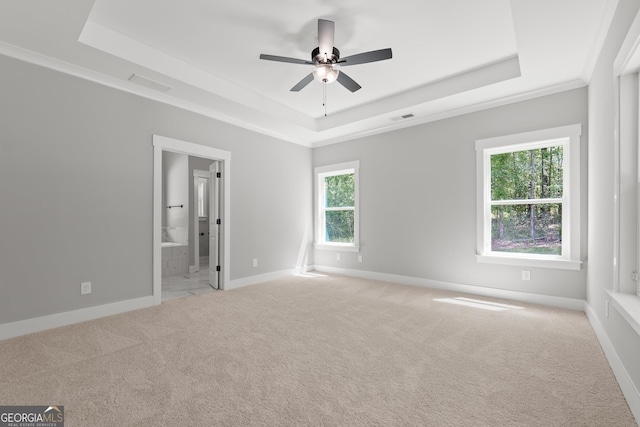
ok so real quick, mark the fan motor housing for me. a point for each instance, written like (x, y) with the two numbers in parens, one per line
(318, 58)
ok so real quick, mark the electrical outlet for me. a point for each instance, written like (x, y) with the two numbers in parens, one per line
(606, 308)
(338, 256)
(255, 262)
(359, 258)
(526, 275)
(85, 288)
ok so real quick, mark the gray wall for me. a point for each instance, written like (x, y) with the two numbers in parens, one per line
(418, 197)
(601, 190)
(175, 190)
(76, 185)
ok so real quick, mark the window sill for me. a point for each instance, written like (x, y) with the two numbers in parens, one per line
(561, 264)
(342, 247)
(628, 305)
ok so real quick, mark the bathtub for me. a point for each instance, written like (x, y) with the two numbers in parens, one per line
(175, 258)
(171, 244)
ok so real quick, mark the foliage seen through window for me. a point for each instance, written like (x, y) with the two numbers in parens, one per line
(526, 201)
(339, 193)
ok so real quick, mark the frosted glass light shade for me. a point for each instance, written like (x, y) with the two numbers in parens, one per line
(327, 73)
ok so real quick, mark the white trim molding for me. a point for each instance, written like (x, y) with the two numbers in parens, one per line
(627, 61)
(569, 138)
(548, 300)
(267, 277)
(513, 259)
(631, 393)
(29, 326)
(598, 42)
(628, 305)
(320, 173)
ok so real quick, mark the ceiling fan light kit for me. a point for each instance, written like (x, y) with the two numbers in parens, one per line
(327, 73)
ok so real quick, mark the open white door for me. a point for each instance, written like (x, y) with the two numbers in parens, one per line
(214, 224)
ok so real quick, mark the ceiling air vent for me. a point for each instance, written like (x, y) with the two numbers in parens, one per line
(148, 83)
(406, 116)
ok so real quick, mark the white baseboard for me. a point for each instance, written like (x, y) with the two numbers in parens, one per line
(28, 326)
(624, 380)
(553, 301)
(253, 280)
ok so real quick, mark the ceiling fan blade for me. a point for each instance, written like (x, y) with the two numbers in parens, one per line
(302, 83)
(284, 59)
(326, 33)
(363, 58)
(348, 82)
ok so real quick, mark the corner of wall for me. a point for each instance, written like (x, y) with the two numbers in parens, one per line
(631, 393)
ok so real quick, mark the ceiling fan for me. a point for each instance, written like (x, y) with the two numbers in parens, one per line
(327, 62)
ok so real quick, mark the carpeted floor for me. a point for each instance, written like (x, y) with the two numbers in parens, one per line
(320, 350)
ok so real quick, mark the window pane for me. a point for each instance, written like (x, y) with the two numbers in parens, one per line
(202, 197)
(339, 190)
(532, 229)
(339, 226)
(529, 174)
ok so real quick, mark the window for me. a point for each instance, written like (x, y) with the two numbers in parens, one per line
(529, 198)
(337, 206)
(203, 199)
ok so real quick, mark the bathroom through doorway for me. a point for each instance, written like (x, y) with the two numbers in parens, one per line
(217, 216)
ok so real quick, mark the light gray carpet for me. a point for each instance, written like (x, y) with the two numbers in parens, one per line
(319, 351)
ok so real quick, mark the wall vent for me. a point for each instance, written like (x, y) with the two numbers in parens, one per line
(403, 117)
(148, 83)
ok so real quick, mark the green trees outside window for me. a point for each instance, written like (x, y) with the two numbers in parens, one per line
(526, 201)
(339, 210)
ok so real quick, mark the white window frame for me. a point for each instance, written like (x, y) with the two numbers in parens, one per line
(569, 138)
(320, 174)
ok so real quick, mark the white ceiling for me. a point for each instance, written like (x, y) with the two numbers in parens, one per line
(449, 56)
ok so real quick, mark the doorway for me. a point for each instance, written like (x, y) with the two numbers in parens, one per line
(206, 216)
(207, 221)
(221, 162)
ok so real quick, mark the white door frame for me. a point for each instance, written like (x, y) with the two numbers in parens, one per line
(214, 225)
(160, 144)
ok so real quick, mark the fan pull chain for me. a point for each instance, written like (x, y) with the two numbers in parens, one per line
(324, 97)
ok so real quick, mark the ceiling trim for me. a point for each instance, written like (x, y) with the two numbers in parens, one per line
(598, 42)
(230, 107)
(524, 52)
(495, 72)
(454, 112)
(628, 58)
(103, 38)
(35, 58)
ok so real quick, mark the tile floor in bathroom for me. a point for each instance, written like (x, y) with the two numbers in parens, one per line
(187, 284)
